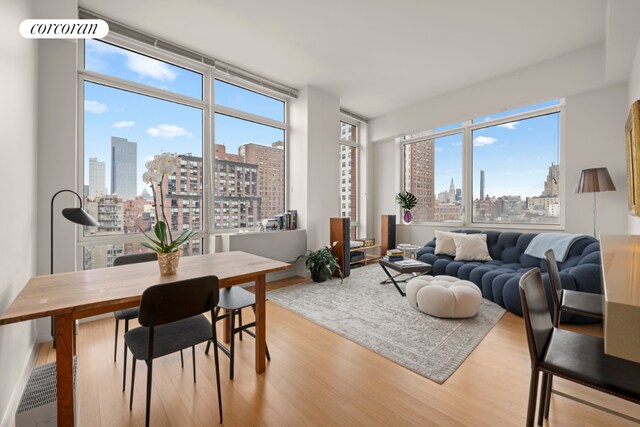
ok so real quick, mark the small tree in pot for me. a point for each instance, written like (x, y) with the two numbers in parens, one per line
(322, 263)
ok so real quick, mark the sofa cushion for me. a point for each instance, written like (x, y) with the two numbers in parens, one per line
(471, 247)
(445, 244)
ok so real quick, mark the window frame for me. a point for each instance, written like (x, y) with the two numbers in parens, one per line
(353, 144)
(467, 129)
(206, 105)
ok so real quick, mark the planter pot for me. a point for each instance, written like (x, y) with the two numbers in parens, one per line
(407, 217)
(168, 263)
(320, 276)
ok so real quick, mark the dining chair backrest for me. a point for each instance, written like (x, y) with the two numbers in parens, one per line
(170, 302)
(135, 258)
(535, 311)
(554, 277)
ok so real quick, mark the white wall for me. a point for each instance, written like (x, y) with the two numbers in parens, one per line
(18, 72)
(593, 135)
(633, 95)
(314, 162)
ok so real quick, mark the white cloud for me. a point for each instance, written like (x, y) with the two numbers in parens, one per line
(149, 67)
(438, 149)
(95, 107)
(123, 124)
(168, 131)
(510, 125)
(456, 144)
(481, 141)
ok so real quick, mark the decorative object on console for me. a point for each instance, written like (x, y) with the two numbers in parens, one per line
(77, 216)
(322, 263)
(167, 248)
(407, 201)
(632, 130)
(594, 180)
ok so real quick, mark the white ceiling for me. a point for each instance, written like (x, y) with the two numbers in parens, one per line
(375, 55)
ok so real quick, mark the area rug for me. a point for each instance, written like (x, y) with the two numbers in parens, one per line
(378, 318)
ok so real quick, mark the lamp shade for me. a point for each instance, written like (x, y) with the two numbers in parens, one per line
(79, 216)
(594, 180)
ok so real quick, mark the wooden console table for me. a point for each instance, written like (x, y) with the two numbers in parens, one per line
(620, 255)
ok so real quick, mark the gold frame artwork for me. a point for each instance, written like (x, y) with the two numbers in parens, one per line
(632, 130)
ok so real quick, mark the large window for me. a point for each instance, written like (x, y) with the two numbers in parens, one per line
(516, 172)
(140, 103)
(513, 174)
(433, 173)
(349, 174)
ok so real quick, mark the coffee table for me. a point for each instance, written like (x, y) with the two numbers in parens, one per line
(413, 267)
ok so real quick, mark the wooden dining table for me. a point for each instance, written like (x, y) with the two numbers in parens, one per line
(81, 294)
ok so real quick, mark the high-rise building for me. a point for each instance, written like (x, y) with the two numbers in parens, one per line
(551, 188)
(348, 181)
(123, 168)
(419, 174)
(236, 203)
(452, 192)
(97, 181)
(481, 185)
(270, 161)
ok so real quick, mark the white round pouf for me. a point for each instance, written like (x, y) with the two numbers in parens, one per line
(444, 296)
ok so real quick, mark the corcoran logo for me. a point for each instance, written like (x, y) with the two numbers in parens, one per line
(63, 28)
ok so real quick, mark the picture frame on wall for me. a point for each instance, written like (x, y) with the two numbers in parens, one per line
(632, 130)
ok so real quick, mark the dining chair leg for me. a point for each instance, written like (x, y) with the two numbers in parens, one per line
(124, 370)
(543, 397)
(240, 323)
(115, 345)
(133, 382)
(547, 402)
(217, 364)
(556, 317)
(206, 350)
(232, 317)
(181, 359)
(193, 354)
(266, 347)
(533, 393)
(149, 378)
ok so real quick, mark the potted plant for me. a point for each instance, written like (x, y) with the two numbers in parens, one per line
(407, 201)
(322, 263)
(167, 248)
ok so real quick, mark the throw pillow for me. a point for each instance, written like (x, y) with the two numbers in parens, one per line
(444, 243)
(471, 247)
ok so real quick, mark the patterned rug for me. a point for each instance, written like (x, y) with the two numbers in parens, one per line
(378, 318)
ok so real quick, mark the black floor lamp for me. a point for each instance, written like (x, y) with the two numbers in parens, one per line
(77, 216)
(595, 180)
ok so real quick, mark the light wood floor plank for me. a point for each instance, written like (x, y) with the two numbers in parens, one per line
(317, 378)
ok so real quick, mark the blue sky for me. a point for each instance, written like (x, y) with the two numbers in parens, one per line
(158, 125)
(515, 156)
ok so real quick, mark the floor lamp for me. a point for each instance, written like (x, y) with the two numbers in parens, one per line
(77, 216)
(594, 181)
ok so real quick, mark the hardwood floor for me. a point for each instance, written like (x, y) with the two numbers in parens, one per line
(317, 378)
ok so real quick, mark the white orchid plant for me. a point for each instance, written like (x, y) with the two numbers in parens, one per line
(162, 165)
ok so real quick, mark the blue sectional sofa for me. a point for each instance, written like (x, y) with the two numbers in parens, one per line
(498, 279)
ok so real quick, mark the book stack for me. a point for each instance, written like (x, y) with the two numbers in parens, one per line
(394, 255)
(365, 242)
(290, 220)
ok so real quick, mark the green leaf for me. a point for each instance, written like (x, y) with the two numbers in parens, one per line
(152, 247)
(160, 230)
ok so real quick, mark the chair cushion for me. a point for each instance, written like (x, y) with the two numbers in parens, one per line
(235, 298)
(472, 247)
(581, 358)
(127, 313)
(170, 337)
(444, 296)
(582, 303)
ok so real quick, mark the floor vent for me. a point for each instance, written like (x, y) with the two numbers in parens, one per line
(38, 405)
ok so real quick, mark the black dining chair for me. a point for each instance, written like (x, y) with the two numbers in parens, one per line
(128, 313)
(233, 300)
(582, 303)
(575, 357)
(171, 318)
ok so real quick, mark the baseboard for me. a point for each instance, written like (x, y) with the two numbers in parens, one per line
(9, 416)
